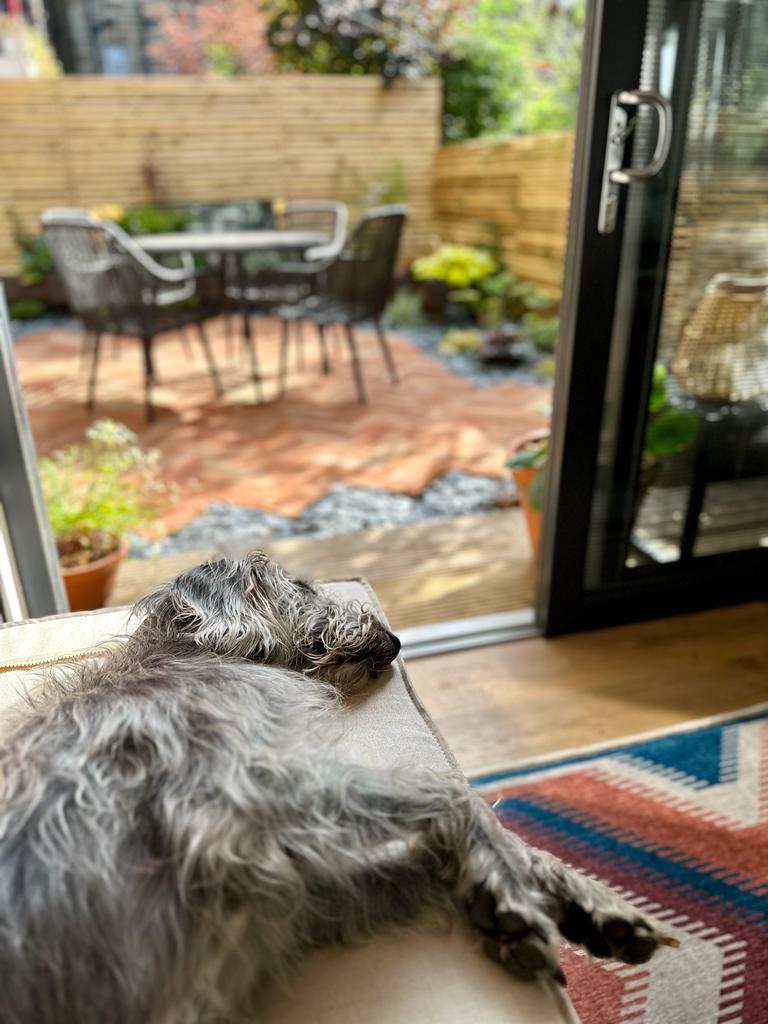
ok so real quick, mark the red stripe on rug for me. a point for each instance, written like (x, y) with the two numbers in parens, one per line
(651, 819)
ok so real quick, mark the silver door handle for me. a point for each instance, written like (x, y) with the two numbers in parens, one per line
(614, 174)
(635, 98)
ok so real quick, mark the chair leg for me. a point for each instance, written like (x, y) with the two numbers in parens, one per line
(86, 347)
(356, 368)
(186, 343)
(253, 359)
(91, 396)
(285, 341)
(204, 341)
(149, 377)
(325, 361)
(386, 351)
(300, 345)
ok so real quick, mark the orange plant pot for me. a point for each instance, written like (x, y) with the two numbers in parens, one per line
(523, 478)
(89, 586)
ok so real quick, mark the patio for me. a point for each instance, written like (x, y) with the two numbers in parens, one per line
(284, 454)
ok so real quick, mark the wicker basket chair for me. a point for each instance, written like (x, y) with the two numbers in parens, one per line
(114, 287)
(352, 288)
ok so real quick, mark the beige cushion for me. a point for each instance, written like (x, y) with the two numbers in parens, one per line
(424, 977)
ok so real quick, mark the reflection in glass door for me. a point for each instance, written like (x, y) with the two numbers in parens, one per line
(674, 456)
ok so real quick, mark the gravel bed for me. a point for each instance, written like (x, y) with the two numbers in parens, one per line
(344, 508)
(466, 364)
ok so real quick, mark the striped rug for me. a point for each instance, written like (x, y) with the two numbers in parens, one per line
(678, 822)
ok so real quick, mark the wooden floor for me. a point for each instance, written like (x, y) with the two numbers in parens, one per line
(499, 704)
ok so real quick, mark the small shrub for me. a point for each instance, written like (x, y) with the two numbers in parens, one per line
(461, 340)
(541, 330)
(36, 262)
(95, 491)
(26, 309)
(404, 309)
(150, 219)
(459, 266)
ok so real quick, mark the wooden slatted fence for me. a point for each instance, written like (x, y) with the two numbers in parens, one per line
(88, 140)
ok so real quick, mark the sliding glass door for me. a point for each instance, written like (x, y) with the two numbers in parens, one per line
(657, 490)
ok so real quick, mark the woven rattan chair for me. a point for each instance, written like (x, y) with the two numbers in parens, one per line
(114, 287)
(353, 287)
(289, 281)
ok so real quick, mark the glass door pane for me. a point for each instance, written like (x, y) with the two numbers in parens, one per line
(658, 483)
(699, 485)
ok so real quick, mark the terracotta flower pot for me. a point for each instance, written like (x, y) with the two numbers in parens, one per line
(523, 478)
(88, 586)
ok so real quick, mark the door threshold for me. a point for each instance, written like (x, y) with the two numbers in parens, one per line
(459, 634)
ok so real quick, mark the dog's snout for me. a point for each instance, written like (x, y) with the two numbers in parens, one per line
(396, 645)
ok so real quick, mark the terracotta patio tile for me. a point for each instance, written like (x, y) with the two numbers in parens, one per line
(285, 453)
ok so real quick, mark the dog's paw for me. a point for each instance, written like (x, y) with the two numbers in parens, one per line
(519, 938)
(620, 932)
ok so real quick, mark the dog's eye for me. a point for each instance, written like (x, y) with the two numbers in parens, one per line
(318, 647)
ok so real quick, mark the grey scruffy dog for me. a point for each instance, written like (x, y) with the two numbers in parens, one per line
(175, 831)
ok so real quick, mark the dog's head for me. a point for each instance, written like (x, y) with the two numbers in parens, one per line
(251, 608)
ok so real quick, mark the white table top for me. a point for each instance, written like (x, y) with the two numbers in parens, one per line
(229, 241)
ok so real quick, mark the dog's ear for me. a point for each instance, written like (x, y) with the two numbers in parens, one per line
(220, 606)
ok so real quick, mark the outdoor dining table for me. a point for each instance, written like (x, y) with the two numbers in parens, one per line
(233, 246)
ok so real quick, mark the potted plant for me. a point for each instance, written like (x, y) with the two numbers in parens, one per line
(94, 492)
(669, 430)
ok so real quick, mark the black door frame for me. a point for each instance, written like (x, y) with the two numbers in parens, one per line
(614, 38)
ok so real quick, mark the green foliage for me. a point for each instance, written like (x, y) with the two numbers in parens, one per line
(459, 339)
(26, 309)
(532, 456)
(669, 432)
(536, 490)
(36, 262)
(478, 86)
(150, 219)
(399, 38)
(106, 484)
(541, 330)
(404, 309)
(512, 68)
(459, 266)
(477, 279)
(545, 366)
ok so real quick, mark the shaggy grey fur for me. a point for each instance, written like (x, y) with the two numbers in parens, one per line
(175, 831)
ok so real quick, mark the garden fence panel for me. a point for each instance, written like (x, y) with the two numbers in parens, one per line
(94, 140)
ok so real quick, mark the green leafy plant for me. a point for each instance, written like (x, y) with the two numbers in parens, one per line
(36, 262)
(404, 309)
(461, 340)
(26, 309)
(669, 431)
(458, 266)
(150, 219)
(532, 456)
(96, 490)
(541, 330)
(477, 279)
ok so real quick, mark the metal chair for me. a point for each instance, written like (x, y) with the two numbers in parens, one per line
(351, 288)
(289, 281)
(114, 287)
